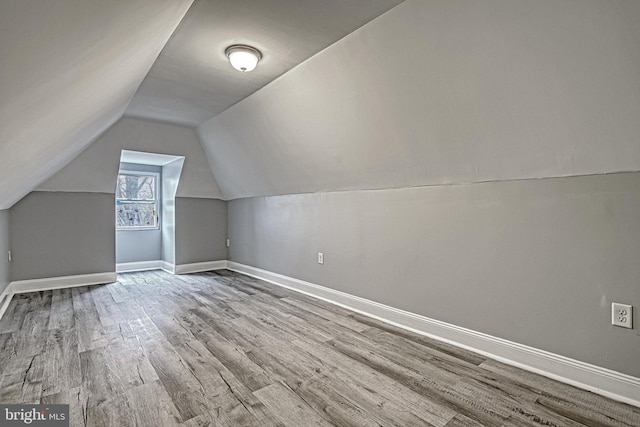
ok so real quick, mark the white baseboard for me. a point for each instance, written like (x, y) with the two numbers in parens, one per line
(5, 299)
(606, 382)
(128, 267)
(200, 266)
(48, 283)
(168, 267)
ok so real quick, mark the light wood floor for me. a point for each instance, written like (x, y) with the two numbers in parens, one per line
(224, 349)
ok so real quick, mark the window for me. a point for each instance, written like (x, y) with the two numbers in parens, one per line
(137, 200)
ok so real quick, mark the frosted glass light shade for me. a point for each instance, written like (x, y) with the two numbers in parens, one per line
(243, 58)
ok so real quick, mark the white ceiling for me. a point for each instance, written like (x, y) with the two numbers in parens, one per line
(68, 71)
(192, 80)
(70, 68)
(443, 92)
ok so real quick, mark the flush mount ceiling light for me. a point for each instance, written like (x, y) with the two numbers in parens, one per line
(243, 58)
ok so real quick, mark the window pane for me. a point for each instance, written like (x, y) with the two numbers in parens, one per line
(132, 214)
(136, 187)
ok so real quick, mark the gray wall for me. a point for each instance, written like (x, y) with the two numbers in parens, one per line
(140, 245)
(536, 261)
(201, 230)
(5, 245)
(61, 234)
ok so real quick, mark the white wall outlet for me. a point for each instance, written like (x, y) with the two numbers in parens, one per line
(228, 243)
(9, 256)
(320, 258)
(622, 315)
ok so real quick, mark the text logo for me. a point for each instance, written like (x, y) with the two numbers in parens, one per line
(34, 415)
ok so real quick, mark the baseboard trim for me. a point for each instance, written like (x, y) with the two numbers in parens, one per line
(199, 266)
(606, 382)
(129, 267)
(5, 299)
(48, 283)
(168, 267)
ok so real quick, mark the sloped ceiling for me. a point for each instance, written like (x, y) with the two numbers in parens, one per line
(431, 92)
(68, 71)
(95, 169)
(442, 92)
(192, 81)
(70, 68)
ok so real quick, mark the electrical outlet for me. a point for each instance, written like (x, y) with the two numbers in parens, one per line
(320, 258)
(9, 256)
(228, 243)
(622, 315)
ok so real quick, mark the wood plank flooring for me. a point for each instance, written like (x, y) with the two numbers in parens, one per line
(223, 349)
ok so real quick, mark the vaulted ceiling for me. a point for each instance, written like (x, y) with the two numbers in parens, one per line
(351, 94)
(68, 71)
(191, 81)
(72, 68)
(439, 92)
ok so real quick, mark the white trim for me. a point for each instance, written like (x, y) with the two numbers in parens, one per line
(156, 200)
(5, 299)
(168, 267)
(197, 267)
(200, 266)
(127, 267)
(606, 382)
(48, 283)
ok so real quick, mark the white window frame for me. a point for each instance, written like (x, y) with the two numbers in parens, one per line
(156, 181)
